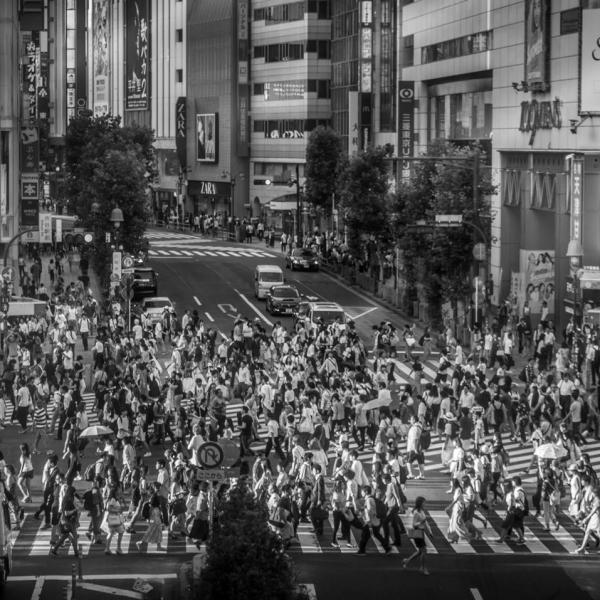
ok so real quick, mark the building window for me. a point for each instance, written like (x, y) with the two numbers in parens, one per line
(465, 116)
(569, 21)
(468, 44)
(179, 35)
(179, 75)
(280, 13)
(323, 89)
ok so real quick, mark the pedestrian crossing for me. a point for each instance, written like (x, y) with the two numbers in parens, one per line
(33, 540)
(190, 251)
(564, 540)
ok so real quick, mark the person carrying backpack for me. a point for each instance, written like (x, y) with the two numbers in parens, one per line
(373, 519)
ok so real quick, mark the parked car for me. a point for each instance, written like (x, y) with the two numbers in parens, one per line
(302, 258)
(156, 306)
(283, 299)
(145, 282)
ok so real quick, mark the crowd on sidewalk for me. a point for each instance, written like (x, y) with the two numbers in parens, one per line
(310, 392)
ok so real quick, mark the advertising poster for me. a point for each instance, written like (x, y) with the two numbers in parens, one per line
(45, 226)
(538, 283)
(181, 130)
(537, 38)
(589, 76)
(100, 56)
(137, 58)
(206, 137)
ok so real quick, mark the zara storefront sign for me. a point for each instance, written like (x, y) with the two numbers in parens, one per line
(540, 114)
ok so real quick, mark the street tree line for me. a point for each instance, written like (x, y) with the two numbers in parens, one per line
(435, 262)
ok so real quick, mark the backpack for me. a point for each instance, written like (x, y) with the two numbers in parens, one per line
(585, 411)
(146, 511)
(525, 505)
(425, 439)
(380, 509)
(90, 472)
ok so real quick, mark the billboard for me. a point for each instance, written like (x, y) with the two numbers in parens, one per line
(537, 284)
(137, 55)
(207, 137)
(100, 57)
(589, 76)
(537, 45)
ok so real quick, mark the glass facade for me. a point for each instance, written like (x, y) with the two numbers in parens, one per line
(462, 116)
(462, 46)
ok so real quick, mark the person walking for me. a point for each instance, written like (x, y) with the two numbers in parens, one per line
(372, 520)
(69, 521)
(154, 533)
(25, 473)
(113, 521)
(420, 528)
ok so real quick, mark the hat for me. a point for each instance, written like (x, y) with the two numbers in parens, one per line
(449, 416)
(572, 467)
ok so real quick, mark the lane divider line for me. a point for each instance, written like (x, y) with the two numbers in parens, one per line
(476, 594)
(256, 310)
(197, 301)
(209, 317)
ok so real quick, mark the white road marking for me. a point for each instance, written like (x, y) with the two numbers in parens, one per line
(476, 594)
(37, 590)
(258, 312)
(98, 576)
(208, 316)
(363, 314)
(198, 253)
(197, 301)
(210, 253)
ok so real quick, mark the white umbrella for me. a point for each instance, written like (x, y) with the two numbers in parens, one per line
(96, 431)
(377, 403)
(550, 451)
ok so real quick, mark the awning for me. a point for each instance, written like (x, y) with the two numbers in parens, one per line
(287, 202)
(589, 280)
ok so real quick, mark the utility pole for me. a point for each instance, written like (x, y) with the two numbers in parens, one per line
(298, 208)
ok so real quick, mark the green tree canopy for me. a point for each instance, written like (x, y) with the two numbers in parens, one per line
(323, 158)
(363, 187)
(245, 559)
(443, 187)
(109, 166)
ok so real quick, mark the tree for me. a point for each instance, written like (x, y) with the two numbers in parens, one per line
(323, 157)
(245, 559)
(109, 166)
(443, 187)
(363, 188)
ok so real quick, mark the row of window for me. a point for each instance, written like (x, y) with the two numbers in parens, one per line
(293, 50)
(292, 89)
(292, 11)
(462, 46)
(288, 128)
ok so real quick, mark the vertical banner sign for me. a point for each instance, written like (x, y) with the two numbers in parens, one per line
(406, 121)
(589, 60)
(243, 85)
(30, 204)
(45, 228)
(59, 235)
(100, 57)
(181, 131)
(207, 137)
(137, 57)
(537, 45)
(353, 124)
(81, 60)
(576, 192)
(365, 120)
(30, 79)
(30, 149)
(43, 92)
(3, 190)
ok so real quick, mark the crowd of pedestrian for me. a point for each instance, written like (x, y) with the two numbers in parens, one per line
(318, 392)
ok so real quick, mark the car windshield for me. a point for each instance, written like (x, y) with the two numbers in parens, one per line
(285, 292)
(328, 315)
(156, 303)
(270, 276)
(304, 253)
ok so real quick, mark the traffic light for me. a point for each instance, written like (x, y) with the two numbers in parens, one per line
(79, 238)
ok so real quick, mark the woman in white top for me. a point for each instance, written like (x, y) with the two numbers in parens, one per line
(420, 528)
(25, 472)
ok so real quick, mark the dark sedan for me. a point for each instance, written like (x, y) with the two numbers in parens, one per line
(283, 300)
(302, 258)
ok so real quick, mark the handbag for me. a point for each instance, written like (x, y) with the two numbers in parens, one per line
(416, 534)
(318, 513)
(113, 519)
(178, 507)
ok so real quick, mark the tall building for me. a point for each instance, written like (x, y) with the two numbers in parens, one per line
(519, 78)
(290, 73)
(365, 58)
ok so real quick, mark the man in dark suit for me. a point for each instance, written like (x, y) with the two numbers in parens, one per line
(317, 504)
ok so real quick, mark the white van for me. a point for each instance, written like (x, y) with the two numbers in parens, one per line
(265, 277)
(326, 313)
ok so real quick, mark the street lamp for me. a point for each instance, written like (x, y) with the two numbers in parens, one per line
(299, 207)
(116, 217)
